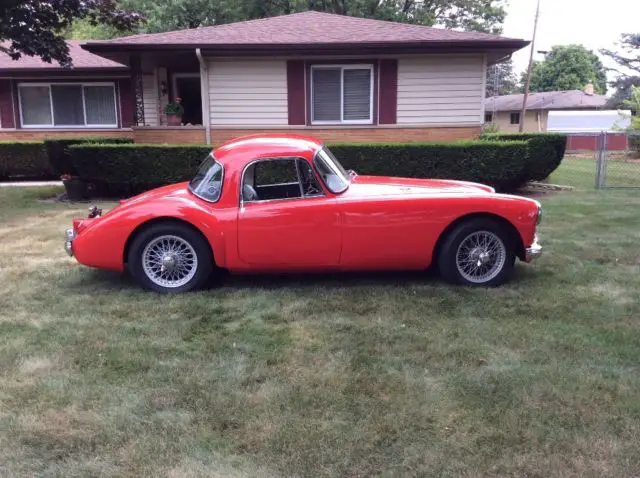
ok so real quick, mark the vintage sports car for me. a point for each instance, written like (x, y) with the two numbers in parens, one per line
(284, 203)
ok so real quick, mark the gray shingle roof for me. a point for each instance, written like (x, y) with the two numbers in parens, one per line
(82, 60)
(552, 100)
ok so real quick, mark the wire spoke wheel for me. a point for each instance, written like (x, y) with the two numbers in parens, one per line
(169, 261)
(481, 256)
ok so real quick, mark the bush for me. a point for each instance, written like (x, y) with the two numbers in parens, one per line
(60, 157)
(126, 169)
(546, 151)
(24, 160)
(499, 164)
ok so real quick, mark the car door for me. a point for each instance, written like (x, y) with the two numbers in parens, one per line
(285, 221)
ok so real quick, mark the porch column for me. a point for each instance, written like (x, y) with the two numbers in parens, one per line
(135, 64)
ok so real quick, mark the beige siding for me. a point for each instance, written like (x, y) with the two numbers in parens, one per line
(441, 90)
(246, 93)
(535, 121)
(150, 97)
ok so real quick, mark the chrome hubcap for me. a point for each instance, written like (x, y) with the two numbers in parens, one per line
(169, 261)
(481, 256)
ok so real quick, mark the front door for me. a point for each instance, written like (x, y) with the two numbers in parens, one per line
(285, 221)
(188, 89)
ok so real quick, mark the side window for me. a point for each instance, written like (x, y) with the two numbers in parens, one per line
(279, 178)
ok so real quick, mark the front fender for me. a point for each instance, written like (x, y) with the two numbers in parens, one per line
(101, 242)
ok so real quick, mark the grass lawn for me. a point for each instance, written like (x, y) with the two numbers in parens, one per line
(580, 172)
(393, 375)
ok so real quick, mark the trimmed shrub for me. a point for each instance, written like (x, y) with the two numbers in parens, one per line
(24, 160)
(126, 169)
(129, 169)
(496, 163)
(60, 157)
(546, 151)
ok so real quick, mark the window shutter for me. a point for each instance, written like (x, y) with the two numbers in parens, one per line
(388, 78)
(357, 95)
(6, 105)
(126, 103)
(326, 94)
(296, 92)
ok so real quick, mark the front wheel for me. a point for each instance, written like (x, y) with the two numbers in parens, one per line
(478, 252)
(170, 258)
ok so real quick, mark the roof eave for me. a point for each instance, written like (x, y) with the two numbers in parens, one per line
(11, 72)
(509, 46)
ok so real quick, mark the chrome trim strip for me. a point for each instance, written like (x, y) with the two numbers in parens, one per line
(534, 251)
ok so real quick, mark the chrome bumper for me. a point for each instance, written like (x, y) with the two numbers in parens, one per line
(69, 236)
(534, 251)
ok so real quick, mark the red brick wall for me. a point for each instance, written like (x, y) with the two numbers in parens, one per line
(36, 135)
(177, 135)
(361, 135)
(615, 142)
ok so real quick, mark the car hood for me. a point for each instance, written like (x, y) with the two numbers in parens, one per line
(368, 186)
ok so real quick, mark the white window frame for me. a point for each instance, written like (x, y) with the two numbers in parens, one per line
(84, 106)
(342, 67)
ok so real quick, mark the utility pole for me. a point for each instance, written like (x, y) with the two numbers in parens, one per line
(527, 82)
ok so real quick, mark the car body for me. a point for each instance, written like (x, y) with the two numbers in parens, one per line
(282, 203)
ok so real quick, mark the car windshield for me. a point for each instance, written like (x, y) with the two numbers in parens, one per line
(207, 183)
(331, 171)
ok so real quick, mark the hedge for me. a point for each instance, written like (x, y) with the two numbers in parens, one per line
(60, 157)
(546, 151)
(128, 169)
(24, 160)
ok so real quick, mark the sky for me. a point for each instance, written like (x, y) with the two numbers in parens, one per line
(593, 24)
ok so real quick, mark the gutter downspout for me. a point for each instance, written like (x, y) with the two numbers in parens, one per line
(204, 92)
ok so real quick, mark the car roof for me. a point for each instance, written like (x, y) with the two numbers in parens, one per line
(247, 148)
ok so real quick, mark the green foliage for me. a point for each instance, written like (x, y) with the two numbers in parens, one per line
(37, 27)
(627, 57)
(501, 79)
(60, 157)
(497, 163)
(128, 169)
(125, 169)
(569, 67)
(174, 109)
(471, 15)
(24, 159)
(546, 152)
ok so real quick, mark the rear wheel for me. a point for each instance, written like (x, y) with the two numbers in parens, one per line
(170, 258)
(478, 252)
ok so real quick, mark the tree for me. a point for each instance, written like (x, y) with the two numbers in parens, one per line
(36, 27)
(628, 72)
(476, 15)
(501, 79)
(569, 67)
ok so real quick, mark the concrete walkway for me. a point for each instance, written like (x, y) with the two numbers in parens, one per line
(25, 184)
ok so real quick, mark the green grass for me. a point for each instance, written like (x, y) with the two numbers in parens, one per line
(392, 375)
(580, 172)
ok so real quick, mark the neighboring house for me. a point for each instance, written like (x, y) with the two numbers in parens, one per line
(338, 78)
(505, 111)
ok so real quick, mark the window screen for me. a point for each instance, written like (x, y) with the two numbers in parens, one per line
(67, 105)
(35, 105)
(341, 94)
(100, 105)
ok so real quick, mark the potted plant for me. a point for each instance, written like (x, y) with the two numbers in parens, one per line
(75, 187)
(174, 112)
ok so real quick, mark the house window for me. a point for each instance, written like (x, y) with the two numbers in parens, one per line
(342, 94)
(488, 117)
(515, 118)
(74, 105)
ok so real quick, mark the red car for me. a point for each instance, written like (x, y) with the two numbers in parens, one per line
(284, 203)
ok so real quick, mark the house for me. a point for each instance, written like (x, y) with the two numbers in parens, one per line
(336, 77)
(504, 111)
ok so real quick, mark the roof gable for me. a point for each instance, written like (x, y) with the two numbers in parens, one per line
(308, 28)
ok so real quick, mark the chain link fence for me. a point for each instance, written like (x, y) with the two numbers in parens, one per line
(601, 161)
